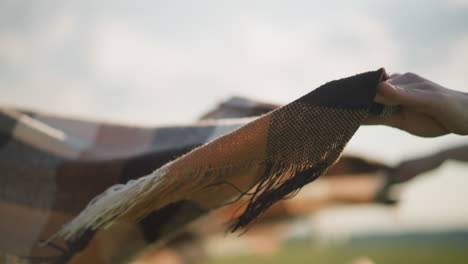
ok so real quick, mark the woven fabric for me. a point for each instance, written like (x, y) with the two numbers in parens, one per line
(95, 176)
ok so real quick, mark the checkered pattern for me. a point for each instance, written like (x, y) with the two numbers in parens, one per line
(98, 178)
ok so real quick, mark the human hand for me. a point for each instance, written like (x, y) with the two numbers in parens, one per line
(409, 169)
(427, 109)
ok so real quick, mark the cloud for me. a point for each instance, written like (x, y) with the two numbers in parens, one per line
(256, 56)
(288, 60)
(138, 62)
(152, 73)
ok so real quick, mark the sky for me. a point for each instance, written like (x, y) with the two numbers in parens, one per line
(166, 62)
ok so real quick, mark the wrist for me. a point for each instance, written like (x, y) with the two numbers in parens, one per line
(460, 104)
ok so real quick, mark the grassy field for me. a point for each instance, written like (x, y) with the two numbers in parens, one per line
(429, 253)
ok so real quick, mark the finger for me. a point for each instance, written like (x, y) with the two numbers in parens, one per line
(406, 78)
(404, 177)
(409, 95)
(386, 94)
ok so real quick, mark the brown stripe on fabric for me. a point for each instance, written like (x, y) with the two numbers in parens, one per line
(244, 146)
(22, 227)
(316, 133)
(64, 185)
(308, 135)
(28, 175)
(200, 168)
(280, 161)
(17, 185)
(79, 182)
(307, 146)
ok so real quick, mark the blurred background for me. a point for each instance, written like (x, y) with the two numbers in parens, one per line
(167, 62)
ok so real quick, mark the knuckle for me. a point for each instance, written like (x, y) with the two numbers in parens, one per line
(412, 75)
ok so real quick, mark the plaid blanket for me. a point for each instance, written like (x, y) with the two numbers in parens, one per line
(98, 178)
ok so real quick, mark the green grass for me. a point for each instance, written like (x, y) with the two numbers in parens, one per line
(429, 253)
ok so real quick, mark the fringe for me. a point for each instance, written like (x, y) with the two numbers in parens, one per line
(278, 182)
(138, 198)
(114, 202)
